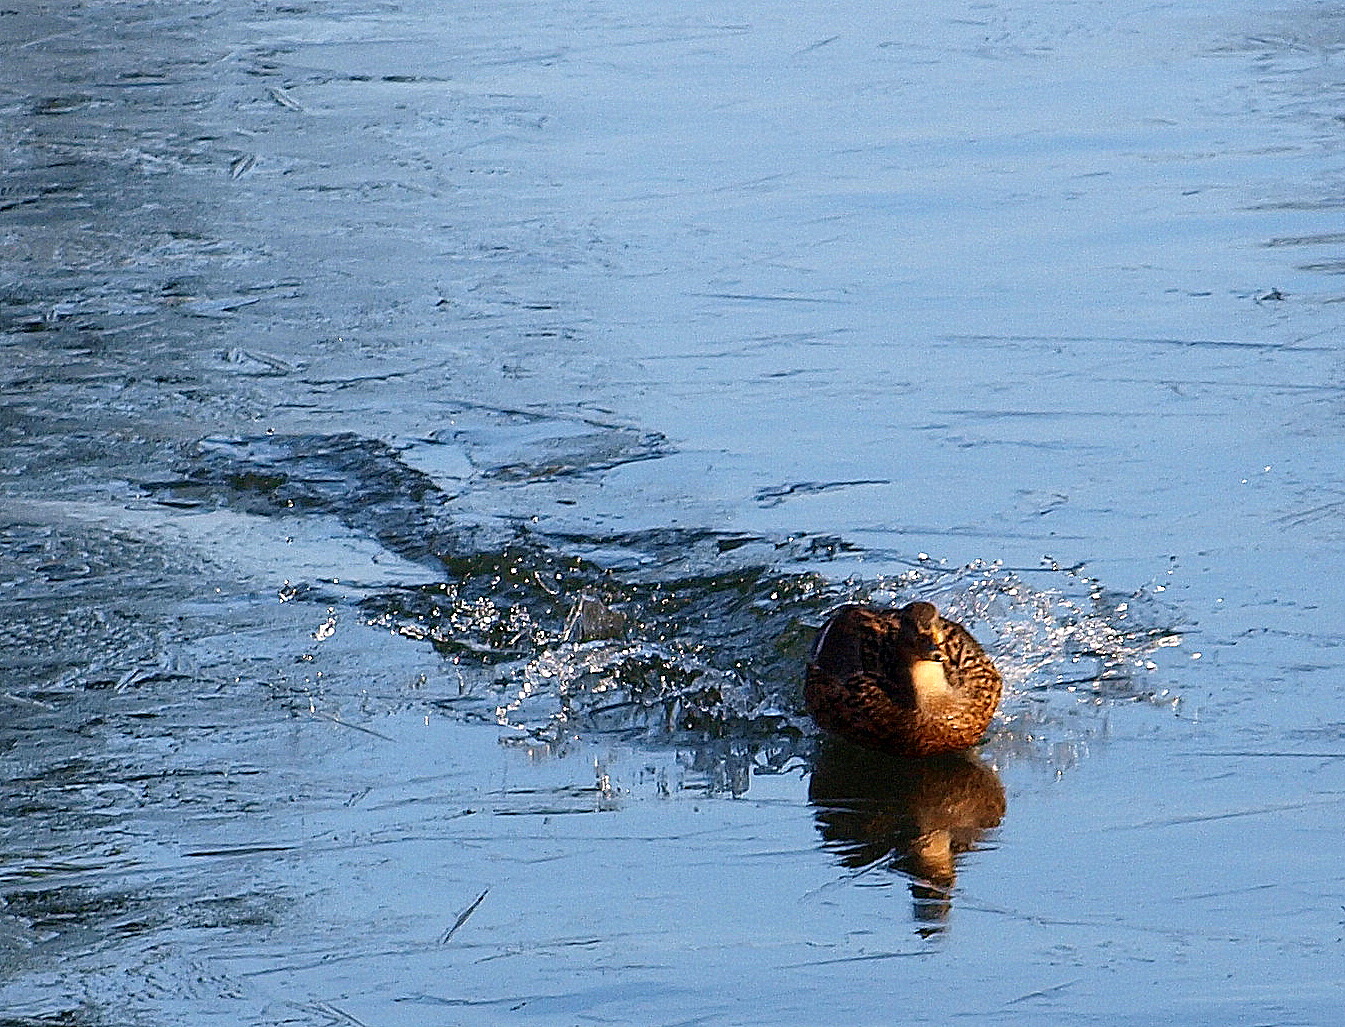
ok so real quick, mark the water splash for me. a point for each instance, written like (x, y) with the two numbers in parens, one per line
(718, 654)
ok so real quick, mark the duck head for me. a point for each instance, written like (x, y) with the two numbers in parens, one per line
(920, 634)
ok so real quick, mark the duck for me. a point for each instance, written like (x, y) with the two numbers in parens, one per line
(905, 682)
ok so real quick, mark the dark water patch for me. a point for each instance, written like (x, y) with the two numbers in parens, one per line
(1178, 343)
(776, 495)
(51, 912)
(81, 1016)
(1324, 267)
(398, 494)
(303, 474)
(1319, 239)
(238, 850)
(763, 298)
(357, 480)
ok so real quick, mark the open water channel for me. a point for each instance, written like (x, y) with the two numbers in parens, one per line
(432, 433)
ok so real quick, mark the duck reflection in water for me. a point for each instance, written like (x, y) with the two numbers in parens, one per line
(913, 815)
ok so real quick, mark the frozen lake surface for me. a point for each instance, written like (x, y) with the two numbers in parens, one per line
(431, 437)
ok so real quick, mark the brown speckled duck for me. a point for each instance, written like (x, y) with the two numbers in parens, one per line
(906, 681)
